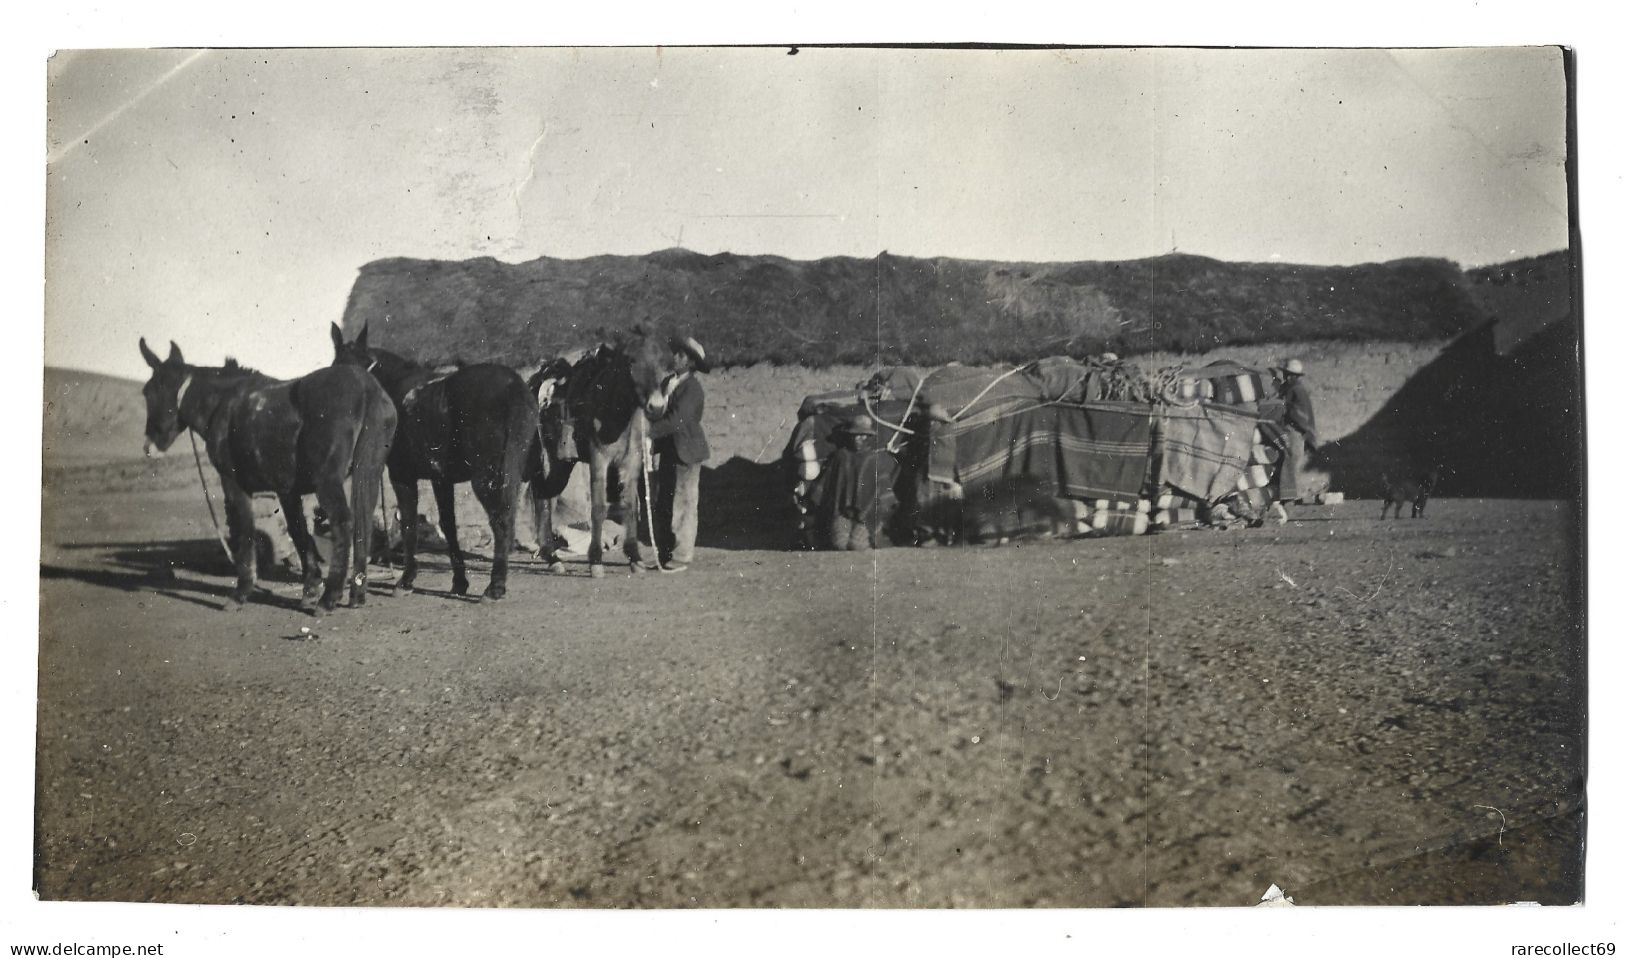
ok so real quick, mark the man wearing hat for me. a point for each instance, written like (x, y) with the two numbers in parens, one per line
(1300, 434)
(849, 489)
(679, 440)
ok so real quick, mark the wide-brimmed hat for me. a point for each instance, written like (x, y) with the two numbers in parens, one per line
(1293, 368)
(696, 352)
(861, 426)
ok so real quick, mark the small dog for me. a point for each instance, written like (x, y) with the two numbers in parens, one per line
(1397, 492)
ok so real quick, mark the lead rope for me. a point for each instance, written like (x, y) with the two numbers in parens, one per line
(648, 504)
(208, 499)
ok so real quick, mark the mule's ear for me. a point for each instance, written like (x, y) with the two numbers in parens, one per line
(175, 356)
(150, 356)
(338, 335)
(361, 340)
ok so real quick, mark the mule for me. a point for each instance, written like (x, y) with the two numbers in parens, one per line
(478, 424)
(599, 414)
(293, 438)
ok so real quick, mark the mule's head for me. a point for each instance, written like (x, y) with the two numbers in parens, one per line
(354, 353)
(651, 361)
(163, 392)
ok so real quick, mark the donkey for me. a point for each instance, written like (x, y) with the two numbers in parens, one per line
(292, 438)
(477, 424)
(600, 414)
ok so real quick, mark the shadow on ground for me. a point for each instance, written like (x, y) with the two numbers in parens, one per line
(745, 505)
(1495, 424)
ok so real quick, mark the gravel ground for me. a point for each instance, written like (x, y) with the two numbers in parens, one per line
(1357, 711)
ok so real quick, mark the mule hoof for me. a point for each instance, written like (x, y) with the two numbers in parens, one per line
(555, 567)
(459, 587)
(596, 569)
(494, 593)
(636, 566)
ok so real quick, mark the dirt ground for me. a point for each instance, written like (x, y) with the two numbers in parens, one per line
(1356, 711)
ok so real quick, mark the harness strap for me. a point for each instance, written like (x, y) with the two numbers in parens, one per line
(411, 394)
(180, 394)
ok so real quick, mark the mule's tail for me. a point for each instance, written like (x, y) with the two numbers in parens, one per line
(367, 465)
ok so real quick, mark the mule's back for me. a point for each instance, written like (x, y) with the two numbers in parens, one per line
(474, 421)
(275, 435)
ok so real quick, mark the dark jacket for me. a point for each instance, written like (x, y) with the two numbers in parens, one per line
(679, 431)
(1300, 412)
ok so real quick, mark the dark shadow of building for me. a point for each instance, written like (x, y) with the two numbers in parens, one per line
(1498, 413)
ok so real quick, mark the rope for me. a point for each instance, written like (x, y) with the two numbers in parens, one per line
(876, 417)
(892, 443)
(986, 389)
(209, 500)
(1167, 387)
(648, 504)
(777, 431)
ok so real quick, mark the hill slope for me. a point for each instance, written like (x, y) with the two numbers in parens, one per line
(90, 417)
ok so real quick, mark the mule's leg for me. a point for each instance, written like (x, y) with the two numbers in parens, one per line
(445, 499)
(499, 502)
(632, 481)
(600, 511)
(293, 510)
(406, 502)
(363, 499)
(240, 514)
(332, 499)
(541, 518)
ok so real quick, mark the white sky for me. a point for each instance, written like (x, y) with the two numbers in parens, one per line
(225, 199)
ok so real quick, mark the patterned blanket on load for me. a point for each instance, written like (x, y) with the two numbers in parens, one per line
(955, 392)
(1205, 449)
(1094, 451)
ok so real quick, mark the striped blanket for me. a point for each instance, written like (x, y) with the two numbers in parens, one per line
(1205, 449)
(1094, 451)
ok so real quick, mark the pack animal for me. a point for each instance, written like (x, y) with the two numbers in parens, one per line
(477, 424)
(1397, 492)
(998, 511)
(599, 414)
(293, 438)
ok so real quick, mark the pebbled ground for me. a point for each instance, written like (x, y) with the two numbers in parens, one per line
(1358, 711)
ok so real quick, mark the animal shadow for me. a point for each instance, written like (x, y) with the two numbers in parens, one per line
(170, 567)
